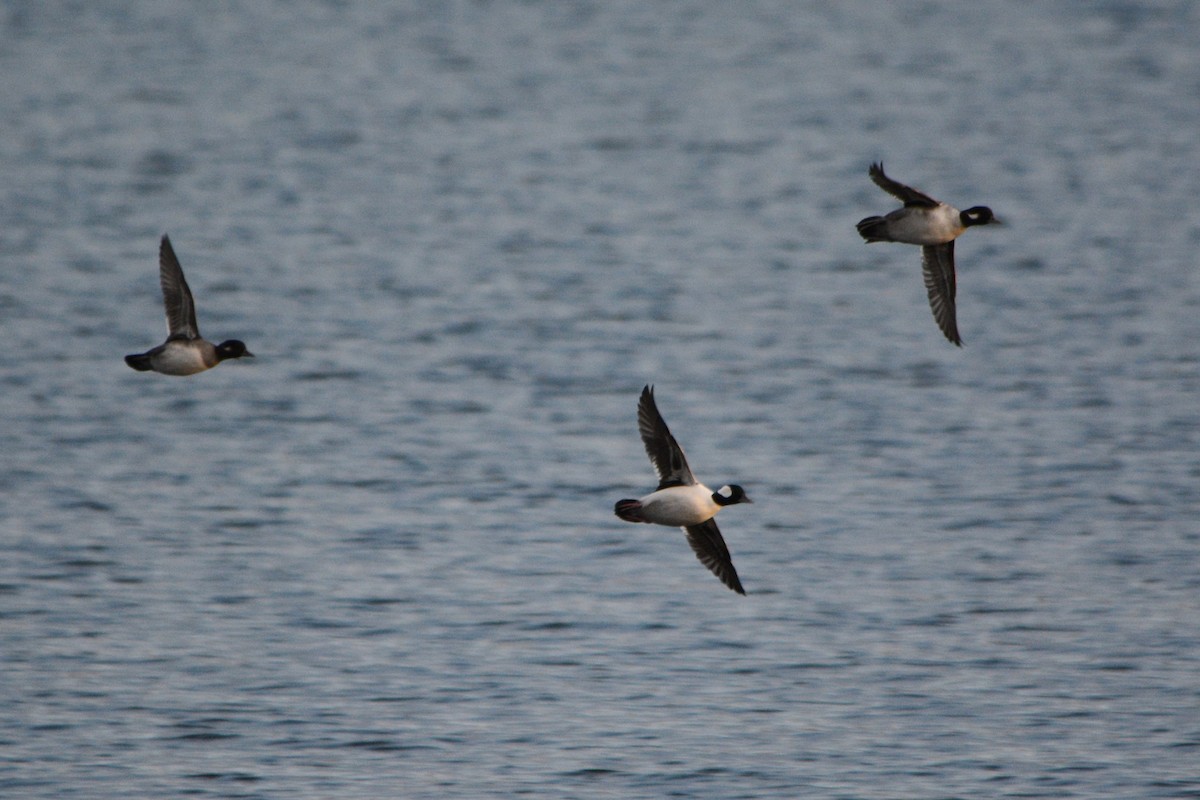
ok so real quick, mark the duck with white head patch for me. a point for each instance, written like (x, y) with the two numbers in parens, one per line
(934, 226)
(681, 500)
(184, 352)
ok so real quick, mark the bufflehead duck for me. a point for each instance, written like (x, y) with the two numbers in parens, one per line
(184, 352)
(681, 500)
(934, 225)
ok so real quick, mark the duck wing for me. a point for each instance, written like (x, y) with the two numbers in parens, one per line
(665, 453)
(937, 265)
(709, 547)
(906, 194)
(177, 297)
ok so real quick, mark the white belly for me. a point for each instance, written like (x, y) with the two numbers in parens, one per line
(924, 226)
(179, 358)
(679, 505)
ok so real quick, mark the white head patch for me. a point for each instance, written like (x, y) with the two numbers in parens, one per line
(726, 492)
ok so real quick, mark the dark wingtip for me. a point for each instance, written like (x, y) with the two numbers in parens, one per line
(951, 334)
(647, 396)
(165, 251)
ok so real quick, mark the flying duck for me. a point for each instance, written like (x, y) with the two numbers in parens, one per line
(934, 225)
(681, 500)
(184, 352)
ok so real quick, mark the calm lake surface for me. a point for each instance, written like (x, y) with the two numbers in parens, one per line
(380, 559)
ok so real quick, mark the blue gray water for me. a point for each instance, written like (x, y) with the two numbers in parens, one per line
(380, 559)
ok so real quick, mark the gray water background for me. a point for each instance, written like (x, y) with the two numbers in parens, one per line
(380, 560)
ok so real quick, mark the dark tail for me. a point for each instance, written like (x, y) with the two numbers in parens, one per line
(629, 510)
(140, 362)
(874, 229)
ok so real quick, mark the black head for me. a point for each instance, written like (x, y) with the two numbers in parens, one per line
(730, 496)
(232, 348)
(978, 215)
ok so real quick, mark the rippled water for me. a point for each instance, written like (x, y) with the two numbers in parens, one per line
(380, 560)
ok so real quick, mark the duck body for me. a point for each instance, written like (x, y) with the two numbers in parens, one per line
(933, 226)
(915, 225)
(678, 506)
(179, 356)
(680, 500)
(185, 352)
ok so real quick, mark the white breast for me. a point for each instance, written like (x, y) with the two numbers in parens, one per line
(679, 505)
(925, 226)
(180, 358)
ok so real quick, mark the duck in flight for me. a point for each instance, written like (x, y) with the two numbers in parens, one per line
(184, 352)
(934, 226)
(681, 500)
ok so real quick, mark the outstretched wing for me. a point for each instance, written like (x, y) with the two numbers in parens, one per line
(177, 297)
(665, 453)
(906, 194)
(937, 265)
(710, 548)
